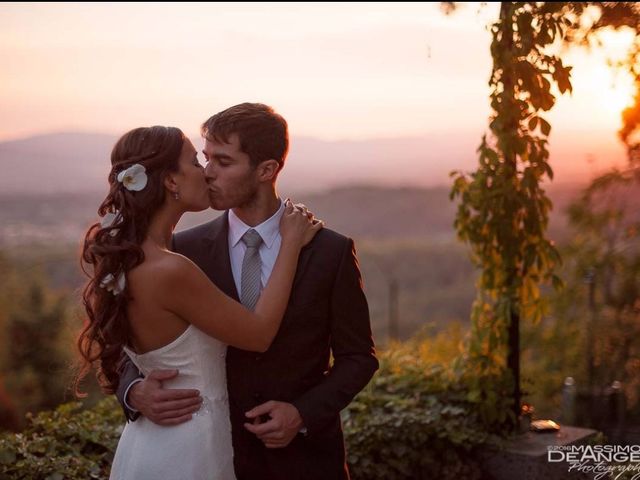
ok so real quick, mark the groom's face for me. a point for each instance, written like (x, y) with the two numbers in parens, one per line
(233, 182)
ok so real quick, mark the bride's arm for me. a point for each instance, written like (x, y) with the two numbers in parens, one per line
(192, 296)
(186, 291)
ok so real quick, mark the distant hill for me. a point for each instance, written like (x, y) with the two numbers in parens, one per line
(393, 198)
(362, 212)
(55, 163)
(74, 162)
(387, 213)
(367, 211)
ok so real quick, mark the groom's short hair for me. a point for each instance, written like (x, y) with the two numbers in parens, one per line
(263, 133)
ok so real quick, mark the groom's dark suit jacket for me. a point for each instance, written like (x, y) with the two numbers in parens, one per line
(327, 316)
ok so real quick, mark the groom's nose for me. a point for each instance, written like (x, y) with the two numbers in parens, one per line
(209, 171)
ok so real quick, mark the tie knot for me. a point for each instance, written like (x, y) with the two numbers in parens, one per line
(252, 239)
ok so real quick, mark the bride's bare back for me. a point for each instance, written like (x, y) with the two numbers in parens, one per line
(152, 323)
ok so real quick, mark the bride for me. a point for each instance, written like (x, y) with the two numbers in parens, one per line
(162, 311)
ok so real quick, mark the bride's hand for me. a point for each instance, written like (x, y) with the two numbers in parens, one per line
(298, 225)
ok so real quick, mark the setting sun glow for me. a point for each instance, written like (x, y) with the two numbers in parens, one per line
(337, 72)
(616, 89)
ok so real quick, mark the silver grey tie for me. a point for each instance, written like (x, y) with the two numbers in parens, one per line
(250, 280)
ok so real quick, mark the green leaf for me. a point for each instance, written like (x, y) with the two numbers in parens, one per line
(7, 456)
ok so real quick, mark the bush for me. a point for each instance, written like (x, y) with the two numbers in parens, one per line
(64, 444)
(414, 420)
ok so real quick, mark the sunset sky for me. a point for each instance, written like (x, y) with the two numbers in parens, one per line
(335, 71)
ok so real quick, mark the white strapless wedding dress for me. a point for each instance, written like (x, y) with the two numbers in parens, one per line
(199, 449)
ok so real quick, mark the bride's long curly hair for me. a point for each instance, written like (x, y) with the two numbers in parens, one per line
(116, 248)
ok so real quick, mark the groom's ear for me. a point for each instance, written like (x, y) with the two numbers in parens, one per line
(268, 170)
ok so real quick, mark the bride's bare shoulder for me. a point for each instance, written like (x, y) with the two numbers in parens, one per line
(171, 263)
(164, 266)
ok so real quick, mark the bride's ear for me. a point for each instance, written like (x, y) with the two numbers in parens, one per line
(170, 183)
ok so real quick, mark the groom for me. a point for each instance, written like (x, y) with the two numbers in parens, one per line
(285, 403)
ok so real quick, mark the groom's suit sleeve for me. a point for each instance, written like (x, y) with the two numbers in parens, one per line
(351, 345)
(128, 373)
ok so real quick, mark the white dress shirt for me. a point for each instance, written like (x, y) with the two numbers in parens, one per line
(269, 230)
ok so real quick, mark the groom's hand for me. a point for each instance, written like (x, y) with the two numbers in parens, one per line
(283, 425)
(163, 407)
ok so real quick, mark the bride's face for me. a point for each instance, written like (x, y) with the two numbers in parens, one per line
(191, 182)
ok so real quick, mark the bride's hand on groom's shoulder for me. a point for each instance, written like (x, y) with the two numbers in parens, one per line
(298, 224)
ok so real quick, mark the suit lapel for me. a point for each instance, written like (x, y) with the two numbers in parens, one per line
(218, 263)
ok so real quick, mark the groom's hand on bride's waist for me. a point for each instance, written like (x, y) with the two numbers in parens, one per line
(163, 406)
(275, 423)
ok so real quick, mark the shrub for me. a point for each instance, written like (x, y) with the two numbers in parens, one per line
(63, 444)
(414, 420)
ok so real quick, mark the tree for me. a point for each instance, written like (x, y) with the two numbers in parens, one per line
(605, 253)
(35, 364)
(503, 210)
(594, 325)
(8, 411)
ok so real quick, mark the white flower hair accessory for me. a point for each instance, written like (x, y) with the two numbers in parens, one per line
(133, 178)
(111, 220)
(113, 285)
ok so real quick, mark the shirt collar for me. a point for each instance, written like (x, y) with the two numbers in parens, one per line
(268, 230)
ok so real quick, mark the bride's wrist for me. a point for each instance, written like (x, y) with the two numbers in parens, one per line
(291, 244)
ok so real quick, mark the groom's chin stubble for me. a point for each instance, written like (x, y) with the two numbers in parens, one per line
(216, 205)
